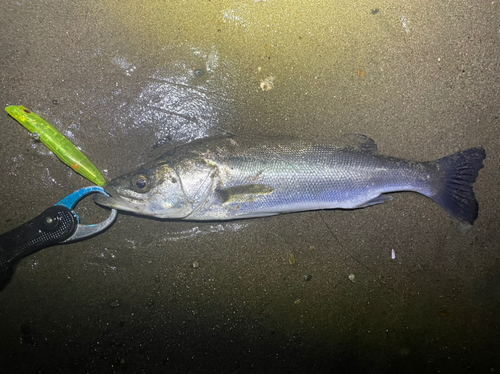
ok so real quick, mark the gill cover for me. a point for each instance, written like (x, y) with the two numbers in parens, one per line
(154, 191)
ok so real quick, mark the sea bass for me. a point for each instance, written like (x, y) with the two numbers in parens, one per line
(232, 178)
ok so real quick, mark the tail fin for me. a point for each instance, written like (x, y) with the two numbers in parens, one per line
(456, 194)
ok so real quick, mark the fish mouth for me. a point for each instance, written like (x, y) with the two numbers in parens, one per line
(109, 201)
(117, 203)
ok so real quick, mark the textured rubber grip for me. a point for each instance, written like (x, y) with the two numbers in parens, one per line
(51, 227)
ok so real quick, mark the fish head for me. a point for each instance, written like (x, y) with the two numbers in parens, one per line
(155, 190)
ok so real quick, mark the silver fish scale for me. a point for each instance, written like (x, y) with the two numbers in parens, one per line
(307, 177)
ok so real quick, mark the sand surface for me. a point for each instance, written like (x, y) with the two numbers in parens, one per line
(121, 78)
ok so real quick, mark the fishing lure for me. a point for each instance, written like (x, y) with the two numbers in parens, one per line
(57, 143)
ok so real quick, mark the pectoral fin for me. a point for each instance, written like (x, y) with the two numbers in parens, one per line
(244, 193)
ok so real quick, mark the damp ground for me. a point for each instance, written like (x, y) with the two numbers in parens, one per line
(400, 287)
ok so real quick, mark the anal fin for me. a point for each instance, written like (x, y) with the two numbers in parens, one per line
(380, 199)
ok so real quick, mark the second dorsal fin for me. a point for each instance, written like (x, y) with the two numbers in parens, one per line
(360, 142)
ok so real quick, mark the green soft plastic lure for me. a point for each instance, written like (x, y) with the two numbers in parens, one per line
(57, 143)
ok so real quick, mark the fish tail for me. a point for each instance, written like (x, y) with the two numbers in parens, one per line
(456, 194)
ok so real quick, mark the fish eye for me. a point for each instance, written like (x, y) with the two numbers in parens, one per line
(140, 183)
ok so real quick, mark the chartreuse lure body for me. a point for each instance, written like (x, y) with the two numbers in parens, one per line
(57, 143)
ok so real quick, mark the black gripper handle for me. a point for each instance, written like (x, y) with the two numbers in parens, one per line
(53, 226)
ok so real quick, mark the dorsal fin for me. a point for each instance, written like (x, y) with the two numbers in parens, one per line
(360, 142)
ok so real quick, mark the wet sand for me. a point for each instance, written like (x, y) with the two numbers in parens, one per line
(122, 80)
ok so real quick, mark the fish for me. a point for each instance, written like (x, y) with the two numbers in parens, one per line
(234, 178)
